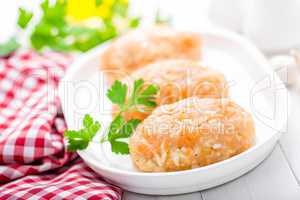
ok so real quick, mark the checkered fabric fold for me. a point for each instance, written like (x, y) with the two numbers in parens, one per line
(32, 156)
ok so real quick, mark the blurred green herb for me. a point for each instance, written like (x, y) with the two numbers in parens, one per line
(12, 43)
(54, 32)
(24, 18)
(134, 22)
(98, 2)
(8, 47)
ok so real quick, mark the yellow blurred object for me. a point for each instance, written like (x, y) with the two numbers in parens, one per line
(78, 10)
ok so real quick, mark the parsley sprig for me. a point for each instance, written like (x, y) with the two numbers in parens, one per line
(119, 127)
(78, 140)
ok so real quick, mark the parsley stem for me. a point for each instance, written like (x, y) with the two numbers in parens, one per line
(103, 139)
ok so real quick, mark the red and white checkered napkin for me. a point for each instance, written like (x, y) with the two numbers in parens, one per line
(33, 161)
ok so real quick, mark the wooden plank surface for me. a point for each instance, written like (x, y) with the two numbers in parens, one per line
(273, 179)
(290, 141)
(133, 196)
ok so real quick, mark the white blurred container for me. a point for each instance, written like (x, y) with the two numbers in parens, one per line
(273, 25)
(286, 68)
(227, 14)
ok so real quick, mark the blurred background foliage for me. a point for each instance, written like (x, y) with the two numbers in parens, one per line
(72, 25)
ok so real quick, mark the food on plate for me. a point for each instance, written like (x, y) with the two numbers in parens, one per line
(143, 46)
(177, 80)
(191, 133)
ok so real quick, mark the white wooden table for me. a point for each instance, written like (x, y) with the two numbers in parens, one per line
(277, 178)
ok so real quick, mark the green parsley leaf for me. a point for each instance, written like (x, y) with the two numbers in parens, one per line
(149, 91)
(147, 96)
(79, 140)
(117, 93)
(119, 127)
(128, 128)
(119, 147)
(115, 126)
(142, 96)
(146, 102)
(87, 121)
(137, 86)
(24, 18)
(8, 47)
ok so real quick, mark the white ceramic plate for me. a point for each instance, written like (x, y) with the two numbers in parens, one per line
(253, 85)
